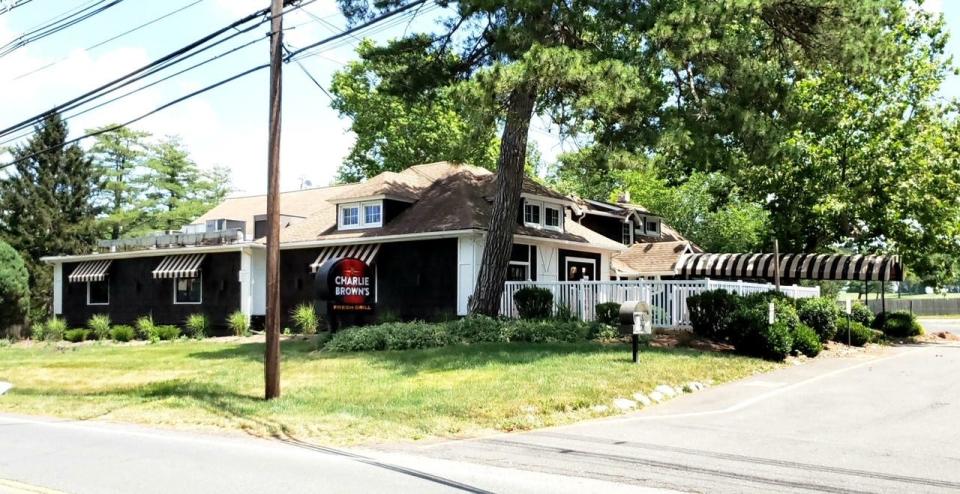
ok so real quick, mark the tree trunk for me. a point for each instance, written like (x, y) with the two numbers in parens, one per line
(503, 220)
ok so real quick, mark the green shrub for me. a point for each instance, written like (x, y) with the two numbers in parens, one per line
(37, 331)
(76, 335)
(602, 332)
(608, 313)
(122, 333)
(360, 339)
(820, 314)
(549, 331)
(478, 329)
(899, 324)
(5, 342)
(239, 323)
(197, 326)
(806, 341)
(167, 332)
(710, 313)
(752, 334)
(14, 287)
(305, 317)
(860, 335)
(417, 334)
(55, 329)
(533, 303)
(862, 314)
(563, 312)
(146, 329)
(99, 325)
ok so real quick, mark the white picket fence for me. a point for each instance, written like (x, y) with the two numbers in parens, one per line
(667, 298)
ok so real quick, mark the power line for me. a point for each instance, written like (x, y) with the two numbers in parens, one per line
(15, 4)
(112, 38)
(55, 27)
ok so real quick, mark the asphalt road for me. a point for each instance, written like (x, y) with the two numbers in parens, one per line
(888, 424)
(859, 424)
(931, 324)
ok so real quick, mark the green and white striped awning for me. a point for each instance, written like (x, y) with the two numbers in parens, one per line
(90, 271)
(183, 266)
(792, 267)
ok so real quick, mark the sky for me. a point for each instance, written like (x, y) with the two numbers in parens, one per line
(226, 126)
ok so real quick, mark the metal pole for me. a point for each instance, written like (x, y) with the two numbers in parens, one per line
(636, 348)
(883, 296)
(776, 263)
(272, 351)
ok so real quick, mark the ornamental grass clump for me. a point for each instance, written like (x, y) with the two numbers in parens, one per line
(76, 335)
(167, 332)
(146, 329)
(99, 325)
(55, 329)
(305, 317)
(197, 325)
(122, 333)
(239, 323)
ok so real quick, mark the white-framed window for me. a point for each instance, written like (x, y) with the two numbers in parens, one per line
(349, 215)
(531, 214)
(372, 214)
(188, 290)
(98, 292)
(552, 218)
(627, 233)
(518, 271)
(361, 215)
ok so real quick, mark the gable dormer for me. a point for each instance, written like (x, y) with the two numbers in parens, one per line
(368, 212)
(542, 212)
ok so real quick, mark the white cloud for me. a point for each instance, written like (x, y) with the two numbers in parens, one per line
(934, 6)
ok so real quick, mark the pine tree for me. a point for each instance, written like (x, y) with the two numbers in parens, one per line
(46, 204)
(119, 156)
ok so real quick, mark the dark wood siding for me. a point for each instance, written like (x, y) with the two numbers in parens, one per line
(134, 292)
(562, 256)
(417, 280)
(611, 228)
(296, 280)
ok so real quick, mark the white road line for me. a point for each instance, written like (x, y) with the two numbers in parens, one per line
(769, 394)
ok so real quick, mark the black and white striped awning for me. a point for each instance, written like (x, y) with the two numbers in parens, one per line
(792, 266)
(365, 253)
(90, 271)
(183, 266)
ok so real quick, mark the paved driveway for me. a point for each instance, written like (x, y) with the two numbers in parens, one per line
(890, 424)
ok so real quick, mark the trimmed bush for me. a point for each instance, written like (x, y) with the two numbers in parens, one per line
(99, 325)
(899, 324)
(305, 317)
(533, 303)
(76, 335)
(414, 335)
(806, 341)
(711, 312)
(478, 329)
(549, 331)
(239, 323)
(14, 287)
(146, 329)
(608, 313)
(602, 332)
(820, 314)
(167, 332)
(753, 335)
(55, 329)
(862, 314)
(197, 326)
(360, 339)
(122, 333)
(860, 335)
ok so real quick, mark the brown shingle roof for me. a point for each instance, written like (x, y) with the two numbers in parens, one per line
(649, 258)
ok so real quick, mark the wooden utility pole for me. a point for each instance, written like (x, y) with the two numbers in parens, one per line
(272, 352)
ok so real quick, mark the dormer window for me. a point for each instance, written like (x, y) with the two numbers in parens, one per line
(361, 215)
(531, 214)
(552, 218)
(627, 233)
(652, 226)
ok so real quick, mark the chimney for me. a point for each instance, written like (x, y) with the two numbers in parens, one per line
(624, 197)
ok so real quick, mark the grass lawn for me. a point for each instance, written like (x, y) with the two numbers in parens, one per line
(893, 296)
(346, 398)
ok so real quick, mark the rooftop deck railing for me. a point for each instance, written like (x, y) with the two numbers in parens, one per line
(170, 240)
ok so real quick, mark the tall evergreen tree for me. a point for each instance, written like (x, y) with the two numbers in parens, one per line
(46, 204)
(176, 190)
(119, 156)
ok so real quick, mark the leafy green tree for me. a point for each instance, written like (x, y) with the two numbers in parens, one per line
(609, 70)
(46, 204)
(394, 131)
(176, 190)
(119, 156)
(14, 288)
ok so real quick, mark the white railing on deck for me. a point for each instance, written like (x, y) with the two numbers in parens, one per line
(667, 298)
